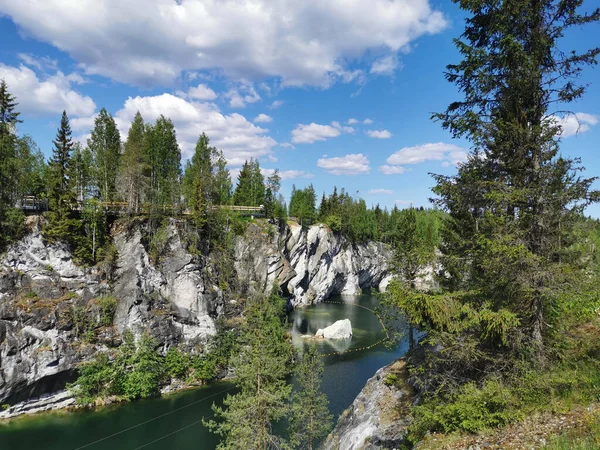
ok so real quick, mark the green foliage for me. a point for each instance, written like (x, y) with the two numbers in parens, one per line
(471, 409)
(250, 189)
(302, 205)
(162, 164)
(62, 226)
(391, 379)
(273, 208)
(261, 367)
(9, 118)
(105, 146)
(135, 371)
(333, 222)
(352, 218)
(143, 369)
(177, 363)
(133, 172)
(514, 203)
(310, 419)
(159, 244)
(108, 307)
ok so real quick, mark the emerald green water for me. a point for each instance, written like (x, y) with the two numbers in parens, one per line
(174, 422)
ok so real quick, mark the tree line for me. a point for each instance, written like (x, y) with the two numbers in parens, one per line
(352, 217)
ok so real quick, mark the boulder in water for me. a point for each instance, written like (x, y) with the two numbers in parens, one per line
(342, 329)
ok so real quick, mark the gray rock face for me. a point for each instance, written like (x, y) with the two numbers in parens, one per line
(342, 329)
(41, 291)
(176, 299)
(311, 264)
(379, 417)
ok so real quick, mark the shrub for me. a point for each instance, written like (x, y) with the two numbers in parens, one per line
(334, 222)
(158, 244)
(471, 409)
(108, 307)
(177, 363)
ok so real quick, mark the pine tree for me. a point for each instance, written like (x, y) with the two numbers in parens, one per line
(261, 369)
(61, 194)
(513, 203)
(250, 189)
(81, 172)
(310, 419)
(132, 170)
(273, 186)
(198, 181)
(163, 166)
(105, 145)
(10, 221)
(223, 188)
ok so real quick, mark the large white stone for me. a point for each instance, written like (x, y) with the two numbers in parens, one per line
(342, 329)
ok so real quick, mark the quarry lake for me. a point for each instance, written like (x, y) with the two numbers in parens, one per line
(175, 422)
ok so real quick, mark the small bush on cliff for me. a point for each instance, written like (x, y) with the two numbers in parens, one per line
(108, 307)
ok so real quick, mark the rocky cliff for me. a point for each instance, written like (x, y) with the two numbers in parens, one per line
(47, 302)
(379, 416)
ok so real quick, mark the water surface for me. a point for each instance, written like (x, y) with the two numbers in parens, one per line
(174, 422)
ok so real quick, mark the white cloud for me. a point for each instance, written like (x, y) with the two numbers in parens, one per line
(427, 152)
(386, 65)
(263, 118)
(379, 134)
(367, 121)
(239, 138)
(202, 92)
(392, 170)
(573, 124)
(307, 134)
(243, 94)
(294, 174)
(380, 191)
(404, 202)
(276, 104)
(342, 128)
(352, 122)
(286, 145)
(150, 42)
(354, 164)
(50, 95)
(288, 174)
(40, 63)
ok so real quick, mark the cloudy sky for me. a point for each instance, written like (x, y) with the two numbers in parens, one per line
(336, 92)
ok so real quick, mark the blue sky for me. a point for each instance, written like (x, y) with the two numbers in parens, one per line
(330, 93)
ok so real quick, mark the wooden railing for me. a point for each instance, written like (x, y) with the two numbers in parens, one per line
(33, 204)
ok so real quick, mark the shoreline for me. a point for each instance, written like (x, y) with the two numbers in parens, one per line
(63, 402)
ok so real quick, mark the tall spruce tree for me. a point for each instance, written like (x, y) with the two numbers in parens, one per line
(105, 145)
(310, 419)
(133, 182)
(250, 189)
(61, 193)
(272, 189)
(261, 369)
(512, 205)
(9, 118)
(198, 181)
(162, 158)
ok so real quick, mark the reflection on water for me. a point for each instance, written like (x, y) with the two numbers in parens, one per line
(344, 377)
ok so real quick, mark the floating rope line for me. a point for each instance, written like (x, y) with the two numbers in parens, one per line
(368, 347)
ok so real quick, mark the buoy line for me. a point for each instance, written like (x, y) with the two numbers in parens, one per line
(368, 347)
